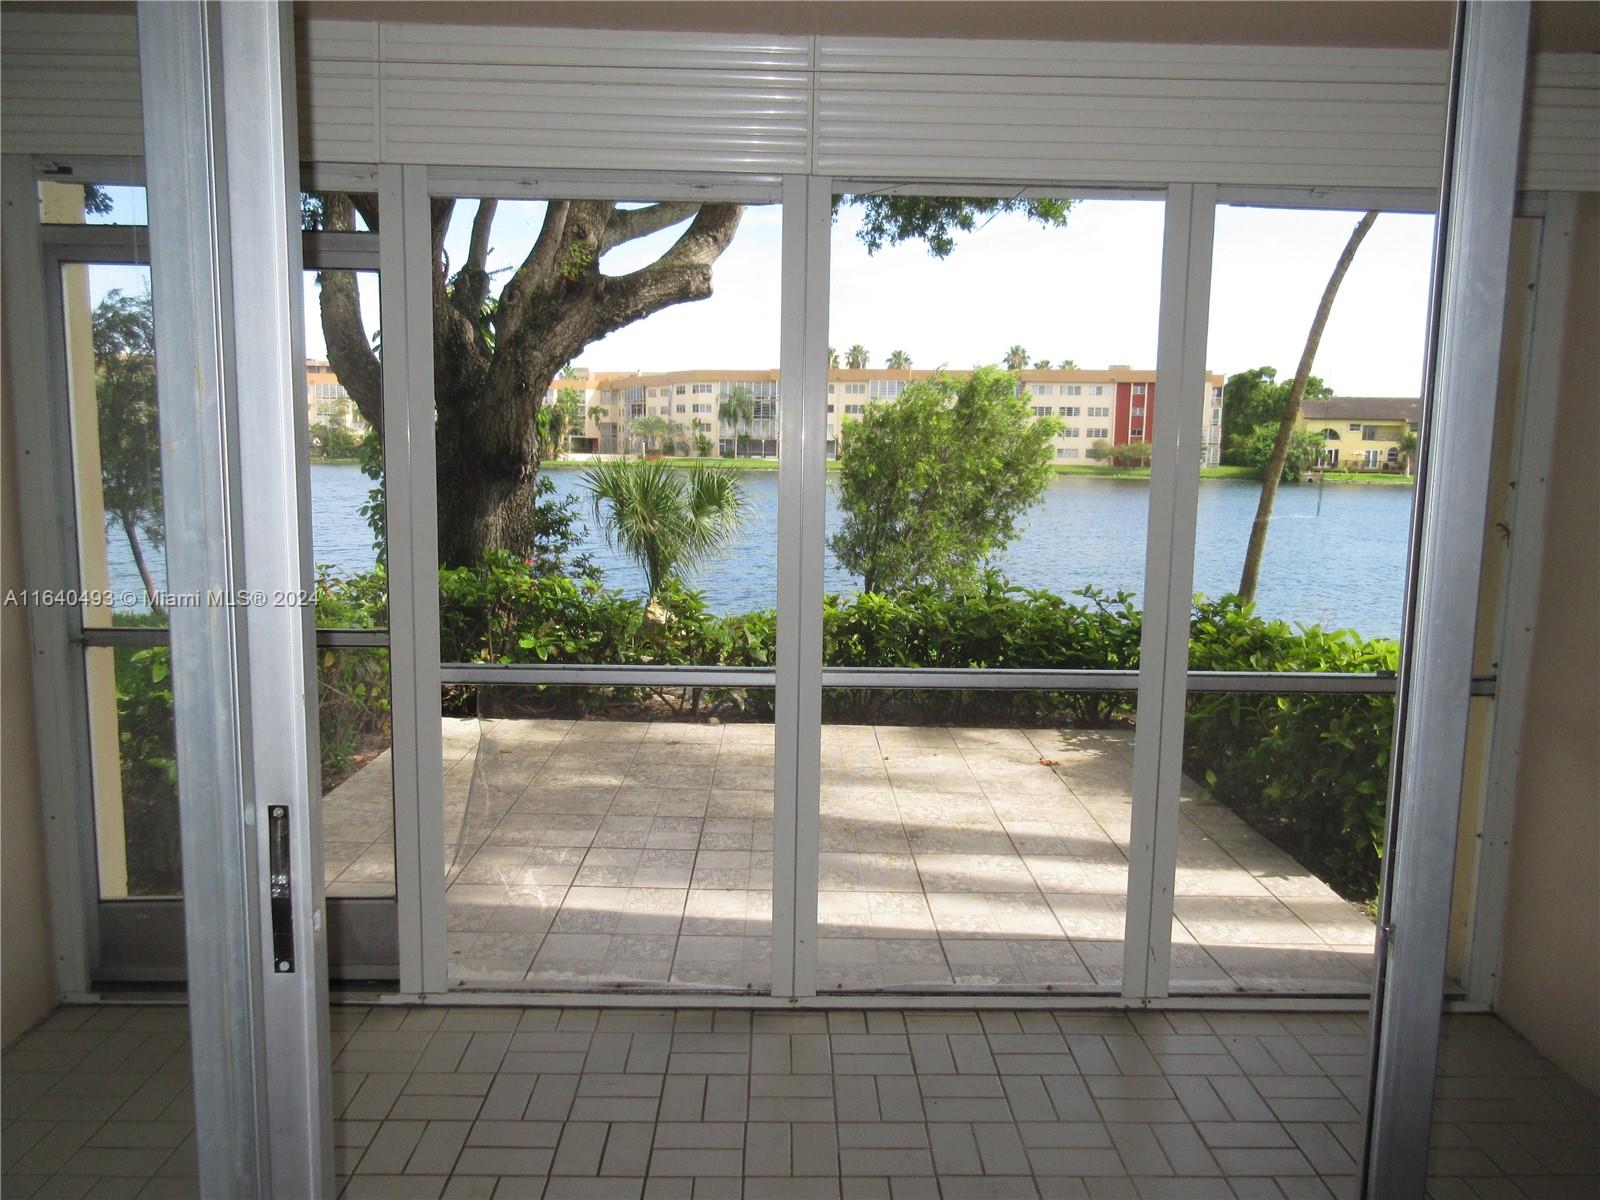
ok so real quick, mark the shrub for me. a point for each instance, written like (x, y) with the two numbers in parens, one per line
(932, 483)
(993, 625)
(1308, 770)
(1255, 450)
(149, 771)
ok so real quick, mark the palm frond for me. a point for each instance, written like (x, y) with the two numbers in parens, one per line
(665, 518)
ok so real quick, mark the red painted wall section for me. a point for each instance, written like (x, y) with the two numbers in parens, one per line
(1126, 421)
(1148, 421)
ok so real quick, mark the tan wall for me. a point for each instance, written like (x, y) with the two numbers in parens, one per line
(1550, 970)
(27, 964)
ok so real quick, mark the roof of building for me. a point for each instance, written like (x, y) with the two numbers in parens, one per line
(626, 379)
(1371, 408)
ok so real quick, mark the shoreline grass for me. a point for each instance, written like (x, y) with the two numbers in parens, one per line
(1078, 470)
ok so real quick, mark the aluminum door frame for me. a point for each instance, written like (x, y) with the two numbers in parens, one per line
(222, 164)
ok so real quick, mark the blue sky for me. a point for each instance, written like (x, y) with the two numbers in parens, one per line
(1088, 292)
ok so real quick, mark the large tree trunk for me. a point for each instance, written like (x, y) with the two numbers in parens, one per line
(494, 363)
(1273, 471)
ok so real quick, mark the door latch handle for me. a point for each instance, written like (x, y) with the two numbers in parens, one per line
(280, 888)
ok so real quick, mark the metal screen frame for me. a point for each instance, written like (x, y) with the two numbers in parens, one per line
(1471, 269)
(225, 269)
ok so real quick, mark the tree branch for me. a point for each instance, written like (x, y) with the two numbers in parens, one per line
(366, 203)
(627, 224)
(344, 332)
(683, 273)
(439, 212)
(471, 285)
(482, 221)
(535, 270)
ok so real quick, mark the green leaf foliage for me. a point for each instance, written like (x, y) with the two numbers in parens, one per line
(1309, 771)
(666, 519)
(1257, 397)
(149, 770)
(932, 482)
(123, 331)
(887, 220)
(1255, 450)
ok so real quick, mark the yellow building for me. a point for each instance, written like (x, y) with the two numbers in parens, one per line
(1362, 433)
(327, 403)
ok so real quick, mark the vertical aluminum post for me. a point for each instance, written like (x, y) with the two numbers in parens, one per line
(420, 583)
(1519, 605)
(1168, 589)
(50, 559)
(802, 486)
(1488, 83)
(222, 170)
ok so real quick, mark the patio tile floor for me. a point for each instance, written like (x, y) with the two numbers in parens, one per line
(567, 1102)
(635, 852)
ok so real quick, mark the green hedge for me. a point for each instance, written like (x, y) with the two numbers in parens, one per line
(1308, 770)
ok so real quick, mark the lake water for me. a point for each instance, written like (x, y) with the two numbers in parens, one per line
(1335, 557)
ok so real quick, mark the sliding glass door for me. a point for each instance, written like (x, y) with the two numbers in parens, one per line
(554, 439)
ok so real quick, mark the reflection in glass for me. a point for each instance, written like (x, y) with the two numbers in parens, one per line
(67, 203)
(609, 837)
(354, 723)
(134, 758)
(109, 338)
(339, 212)
(344, 418)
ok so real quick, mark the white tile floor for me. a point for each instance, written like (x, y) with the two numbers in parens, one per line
(551, 1103)
(607, 852)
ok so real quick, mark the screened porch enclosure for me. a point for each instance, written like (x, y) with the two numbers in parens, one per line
(497, 614)
(515, 799)
(620, 853)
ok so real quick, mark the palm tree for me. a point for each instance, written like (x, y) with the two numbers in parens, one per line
(1406, 443)
(1016, 358)
(1042, 364)
(1272, 473)
(558, 418)
(856, 358)
(1066, 364)
(651, 428)
(899, 361)
(833, 359)
(737, 410)
(667, 519)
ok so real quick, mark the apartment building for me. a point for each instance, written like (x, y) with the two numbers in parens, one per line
(327, 403)
(691, 402)
(1116, 405)
(1362, 433)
